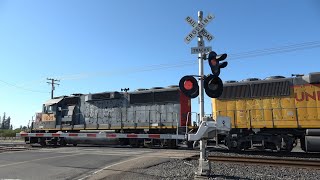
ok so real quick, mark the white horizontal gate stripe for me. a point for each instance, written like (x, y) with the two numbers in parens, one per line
(104, 135)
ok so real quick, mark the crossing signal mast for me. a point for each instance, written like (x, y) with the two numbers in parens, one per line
(211, 84)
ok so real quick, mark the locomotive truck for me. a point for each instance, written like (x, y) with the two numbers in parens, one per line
(273, 113)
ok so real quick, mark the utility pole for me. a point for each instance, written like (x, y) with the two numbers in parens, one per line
(52, 82)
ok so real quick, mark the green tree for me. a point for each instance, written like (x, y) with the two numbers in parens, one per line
(8, 124)
(3, 120)
(5, 124)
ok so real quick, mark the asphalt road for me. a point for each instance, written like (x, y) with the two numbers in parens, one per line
(73, 162)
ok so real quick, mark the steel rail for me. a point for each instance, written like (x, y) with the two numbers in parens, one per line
(13, 148)
(301, 163)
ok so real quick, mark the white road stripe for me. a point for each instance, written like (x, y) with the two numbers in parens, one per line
(121, 162)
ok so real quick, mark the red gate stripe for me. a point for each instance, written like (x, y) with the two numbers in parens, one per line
(39, 134)
(157, 136)
(24, 135)
(91, 135)
(72, 134)
(132, 135)
(55, 135)
(111, 135)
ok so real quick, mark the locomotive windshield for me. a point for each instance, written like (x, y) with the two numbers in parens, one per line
(48, 109)
(51, 105)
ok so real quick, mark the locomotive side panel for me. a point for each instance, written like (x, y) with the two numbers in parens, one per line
(100, 109)
(307, 104)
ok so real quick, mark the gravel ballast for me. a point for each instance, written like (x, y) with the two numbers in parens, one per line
(185, 169)
(182, 169)
(152, 168)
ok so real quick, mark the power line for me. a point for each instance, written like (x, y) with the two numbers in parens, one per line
(22, 88)
(277, 50)
(236, 56)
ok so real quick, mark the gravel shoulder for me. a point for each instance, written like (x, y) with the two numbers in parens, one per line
(150, 168)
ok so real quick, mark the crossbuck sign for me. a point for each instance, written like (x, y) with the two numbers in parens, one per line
(198, 29)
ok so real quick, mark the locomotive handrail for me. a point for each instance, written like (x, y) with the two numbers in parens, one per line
(189, 114)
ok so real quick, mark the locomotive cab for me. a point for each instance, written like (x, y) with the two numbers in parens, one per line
(58, 113)
(49, 117)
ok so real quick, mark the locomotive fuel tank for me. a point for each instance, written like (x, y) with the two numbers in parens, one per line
(312, 140)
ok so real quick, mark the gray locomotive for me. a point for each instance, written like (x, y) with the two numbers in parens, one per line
(144, 111)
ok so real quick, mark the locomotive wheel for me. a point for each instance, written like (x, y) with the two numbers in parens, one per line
(172, 144)
(233, 145)
(62, 142)
(43, 143)
(163, 143)
(289, 144)
(190, 144)
(134, 143)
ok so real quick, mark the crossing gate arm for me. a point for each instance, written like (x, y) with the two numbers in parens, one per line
(104, 135)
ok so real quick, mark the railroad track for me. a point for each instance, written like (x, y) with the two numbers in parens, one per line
(13, 148)
(301, 163)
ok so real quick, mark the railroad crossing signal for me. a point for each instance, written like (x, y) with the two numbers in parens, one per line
(188, 84)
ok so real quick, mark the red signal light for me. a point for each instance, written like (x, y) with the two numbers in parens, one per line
(188, 85)
(213, 62)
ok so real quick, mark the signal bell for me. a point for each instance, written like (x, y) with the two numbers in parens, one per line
(189, 86)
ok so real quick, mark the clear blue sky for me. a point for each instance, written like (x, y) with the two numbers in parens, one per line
(95, 46)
